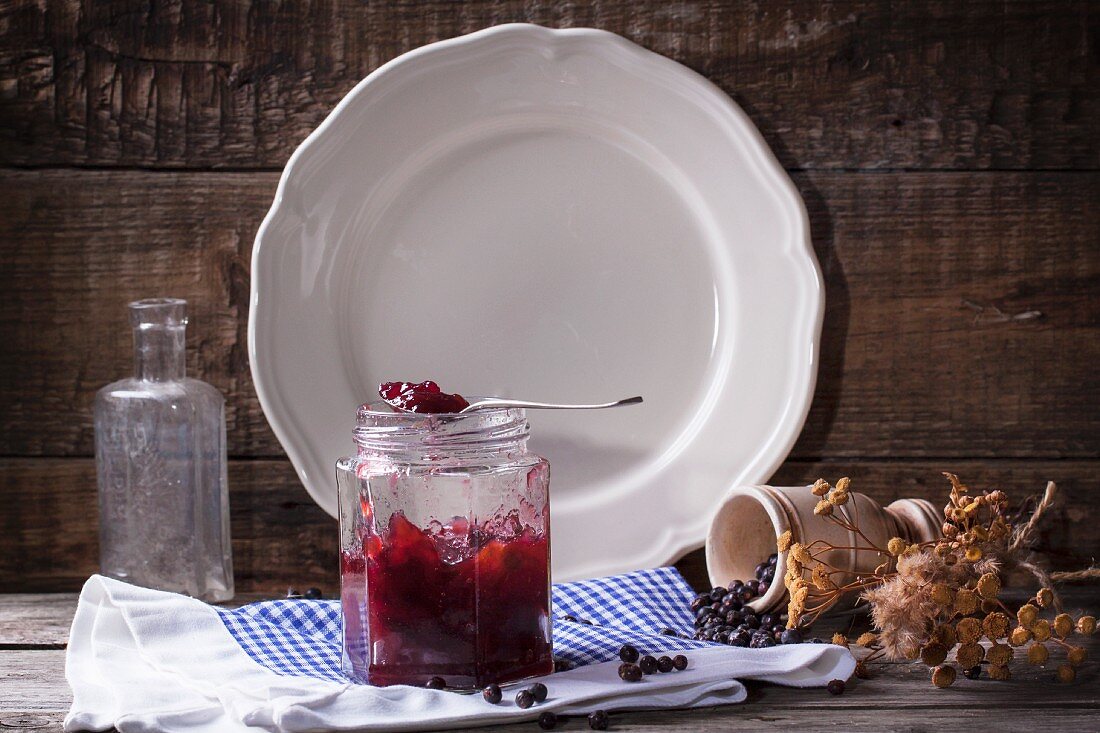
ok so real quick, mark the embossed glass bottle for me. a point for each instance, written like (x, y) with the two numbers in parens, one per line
(160, 455)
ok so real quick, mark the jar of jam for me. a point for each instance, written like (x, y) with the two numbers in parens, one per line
(445, 549)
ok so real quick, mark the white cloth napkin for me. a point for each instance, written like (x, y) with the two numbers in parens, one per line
(146, 660)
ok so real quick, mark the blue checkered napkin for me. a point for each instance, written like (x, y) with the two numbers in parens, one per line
(301, 638)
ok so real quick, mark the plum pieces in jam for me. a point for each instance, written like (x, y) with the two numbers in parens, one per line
(425, 397)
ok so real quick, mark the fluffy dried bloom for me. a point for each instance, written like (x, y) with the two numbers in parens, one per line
(1044, 598)
(1027, 615)
(823, 508)
(942, 595)
(840, 640)
(968, 631)
(820, 487)
(1065, 673)
(966, 601)
(969, 655)
(1037, 654)
(896, 546)
(943, 676)
(1086, 625)
(933, 654)
(973, 554)
(996, 626)
(839, 498)
(867, 638)
(1041, 630)
(989, 585)
(1019, 636)
(999, 672)
(945, 634)
(999, 654)
(1076, 655)
(783, 542)
(1063, 625)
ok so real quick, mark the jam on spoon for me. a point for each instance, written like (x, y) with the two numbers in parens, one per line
(425, 397)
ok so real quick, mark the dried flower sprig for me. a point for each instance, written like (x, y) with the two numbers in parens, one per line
(930, 599)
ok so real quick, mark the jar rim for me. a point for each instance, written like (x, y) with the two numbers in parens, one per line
(381, 428)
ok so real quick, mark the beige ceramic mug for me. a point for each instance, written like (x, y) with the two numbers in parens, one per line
(746, 526)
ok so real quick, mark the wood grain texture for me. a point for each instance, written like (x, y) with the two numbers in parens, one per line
(49, 533)
(962, 317)
(49, 530)
(857, 84)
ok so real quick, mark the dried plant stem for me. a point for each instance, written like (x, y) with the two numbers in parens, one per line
(1025, 535)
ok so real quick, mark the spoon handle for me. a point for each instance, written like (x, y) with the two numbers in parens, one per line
(500, 402)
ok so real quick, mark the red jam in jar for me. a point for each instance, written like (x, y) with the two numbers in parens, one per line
(445, 550)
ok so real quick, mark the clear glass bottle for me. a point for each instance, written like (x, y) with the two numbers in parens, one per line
(160, 455)
(445, 549)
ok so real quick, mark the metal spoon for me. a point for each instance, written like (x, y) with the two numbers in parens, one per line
(500, 402)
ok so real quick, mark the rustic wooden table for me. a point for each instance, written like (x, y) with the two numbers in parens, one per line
(948, 154)
(899, 697)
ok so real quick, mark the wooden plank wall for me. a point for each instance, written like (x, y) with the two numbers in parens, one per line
(949, 155)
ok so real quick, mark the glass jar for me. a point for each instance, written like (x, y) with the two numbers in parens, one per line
(160, 459)
(445, 549)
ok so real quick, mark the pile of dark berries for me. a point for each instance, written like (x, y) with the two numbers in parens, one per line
(722, 615)
(635, 665)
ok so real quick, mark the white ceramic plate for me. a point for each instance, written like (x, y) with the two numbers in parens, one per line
(555, 215)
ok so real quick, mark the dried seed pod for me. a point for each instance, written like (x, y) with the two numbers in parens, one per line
(1041, 630)
(943, 676)
(1000, 654)
(1063, 625)
(968, 631)
(949, 529)
(1027, 615)
(1019, 636)
(1044, 598)
(823, 508)
(838, 498)
(966, 601)
(820, 488)
(1086, 625)
(969, 655)
(933, 654)
(842, 484)
(996, 626)
(942, 595)
(1076, 655)
(1037, 654)
(945, 634)
(783, 542)
(896, 546)
(1065, 673)
(999, 672)
(989, 585)
(867, 638)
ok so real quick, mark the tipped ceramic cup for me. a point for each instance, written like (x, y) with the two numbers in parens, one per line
(750, 519)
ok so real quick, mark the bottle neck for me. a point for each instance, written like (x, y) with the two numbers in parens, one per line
(159, 328)
(159, 353)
